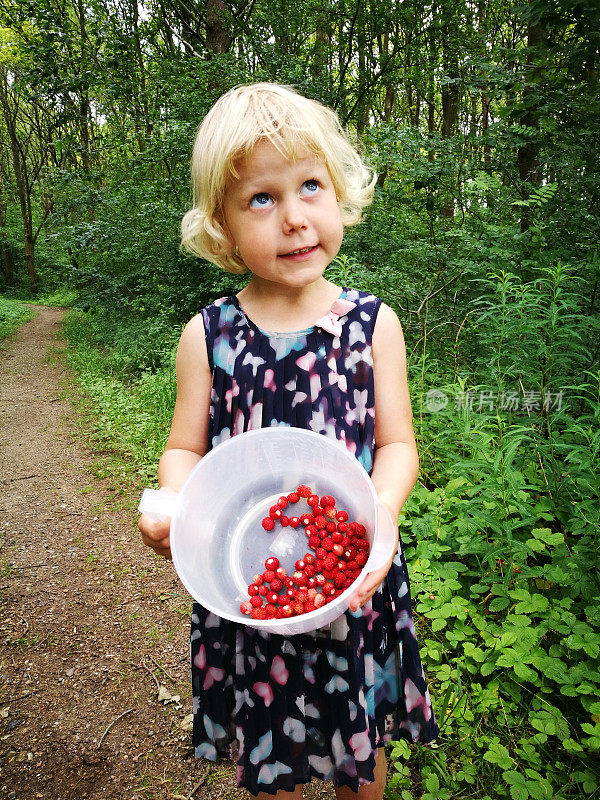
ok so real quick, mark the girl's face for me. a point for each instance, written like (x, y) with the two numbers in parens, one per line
(283, 216)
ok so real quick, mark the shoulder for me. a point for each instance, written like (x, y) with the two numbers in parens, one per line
(387, 334)
(191, 352)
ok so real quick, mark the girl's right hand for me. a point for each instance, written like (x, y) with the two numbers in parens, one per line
(156, 534)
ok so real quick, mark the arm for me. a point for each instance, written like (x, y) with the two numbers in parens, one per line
(396, 461)
(189, 430)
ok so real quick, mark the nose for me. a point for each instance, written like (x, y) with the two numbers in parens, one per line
(293, 216)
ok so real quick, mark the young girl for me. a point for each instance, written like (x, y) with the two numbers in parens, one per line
(275, 182)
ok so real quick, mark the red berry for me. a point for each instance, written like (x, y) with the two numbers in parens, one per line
(314, 542)
(342, 566)
(319, 564)
(262, 590)
(349, 553)
(309, 558)
(329, 512)
(337, 549)
(309, 570)
(287, 582)
(272, 563)
(310, 530)
(257, 579)
(352, 527)
(302, 596)
(282, 502)
(327, 500)
(293, 497)
(253, 590)
(317, 510)
(361, 558)
(276, 584)
(319, 601)
(287, 611)
(339, 578)
(307, 519)
(320, 579)
(268, 524)
(291, 592)
(299, 577)
(311, 583)
(271, 611)
(320, 522)
(313, 500)
(275, 512)
(272, 598)
(330, 561)
(283, 600)
(341, 516)
(300, 564)
(330, 528)
(309, 606)
(304, 491)
(294, 522)
(327, 544)
(320, 552)
(280, 573)
(336, 537)
(362, 544)
(342, 527)
(246, 607)
(328, 588)
(258, 613)
(360, 529)
(284, 521)
(268, 575)
(256, 601)
(298, 608)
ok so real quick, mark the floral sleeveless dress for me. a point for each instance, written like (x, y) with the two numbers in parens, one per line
(316, 704)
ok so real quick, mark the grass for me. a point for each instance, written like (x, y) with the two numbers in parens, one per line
(13, 314)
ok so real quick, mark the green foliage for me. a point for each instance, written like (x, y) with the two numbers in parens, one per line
(12, 315)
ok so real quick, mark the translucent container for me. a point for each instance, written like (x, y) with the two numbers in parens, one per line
(217, 539)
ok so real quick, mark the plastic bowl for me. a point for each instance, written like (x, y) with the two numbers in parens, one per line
(217, 540)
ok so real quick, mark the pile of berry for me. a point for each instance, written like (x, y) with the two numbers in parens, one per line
(340, 552)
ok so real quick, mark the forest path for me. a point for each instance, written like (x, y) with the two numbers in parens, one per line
(90, 619)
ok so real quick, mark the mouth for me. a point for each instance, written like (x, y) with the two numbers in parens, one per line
(301, 251)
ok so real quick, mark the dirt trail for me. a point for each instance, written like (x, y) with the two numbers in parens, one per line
(91, 621)
(87, 613)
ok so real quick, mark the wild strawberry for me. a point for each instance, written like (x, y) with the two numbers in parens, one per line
(328, 574)
(272, 598)
(268, 523)
(339, 579)
(309, 606)
(280, 573)
(330, 528)
(294, 522)
(256, 601)
(320, 579)
(317, 510)
(276, 584)
(352, 527)
(329, 512)
(275, 512)
(283, 600)
(286, 611)
(298, 608)
(319, 601)
(258, 613)
(309, 570)
(268, 575)
(319, 564)
(328, 588)
(307, 519)
(310, 530)
(320, 522)
(361, 558)
(311, 583)
(352, 566)
(312, 593)
(271, 611)
(360, 529)
(291, 593)
(300, 564)
(253, 590)
(272, 563)
(349, 553)
(341, 516)
(288, 582)
(314, 542)
(313, 500)
(336, 537)
(330, 561)
(342, 566)
(282, 501)
(345, 542)
(320, 552)
(309, 558)
(302, 596)
(362, 544)
(246, 607)
(299, 577)
(342, 527)
(337, 549)
(262, 590)
(304, 491)
(293, 497)
(285, 521)
(327, 544)
(327, 500)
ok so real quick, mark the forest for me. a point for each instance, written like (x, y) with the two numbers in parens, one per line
(482, 121)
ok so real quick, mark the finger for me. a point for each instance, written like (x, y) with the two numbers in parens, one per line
(153, 529)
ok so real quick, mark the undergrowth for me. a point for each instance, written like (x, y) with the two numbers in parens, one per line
(12, 315)
(500, 533)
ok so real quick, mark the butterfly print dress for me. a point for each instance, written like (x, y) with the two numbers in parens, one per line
(317, 704)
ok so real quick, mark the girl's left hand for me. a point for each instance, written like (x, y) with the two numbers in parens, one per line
(373, 580)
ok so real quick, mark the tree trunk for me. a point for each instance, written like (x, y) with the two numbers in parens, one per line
(19, 168)
(7, 260)
(450, 93)
(218, 36)
(527, 154)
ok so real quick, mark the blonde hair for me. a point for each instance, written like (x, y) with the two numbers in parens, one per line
(234, 125)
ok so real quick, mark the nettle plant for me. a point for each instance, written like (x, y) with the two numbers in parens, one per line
(504, 556)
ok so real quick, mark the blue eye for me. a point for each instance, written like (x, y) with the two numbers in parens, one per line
(261, 200)
(310, 187)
